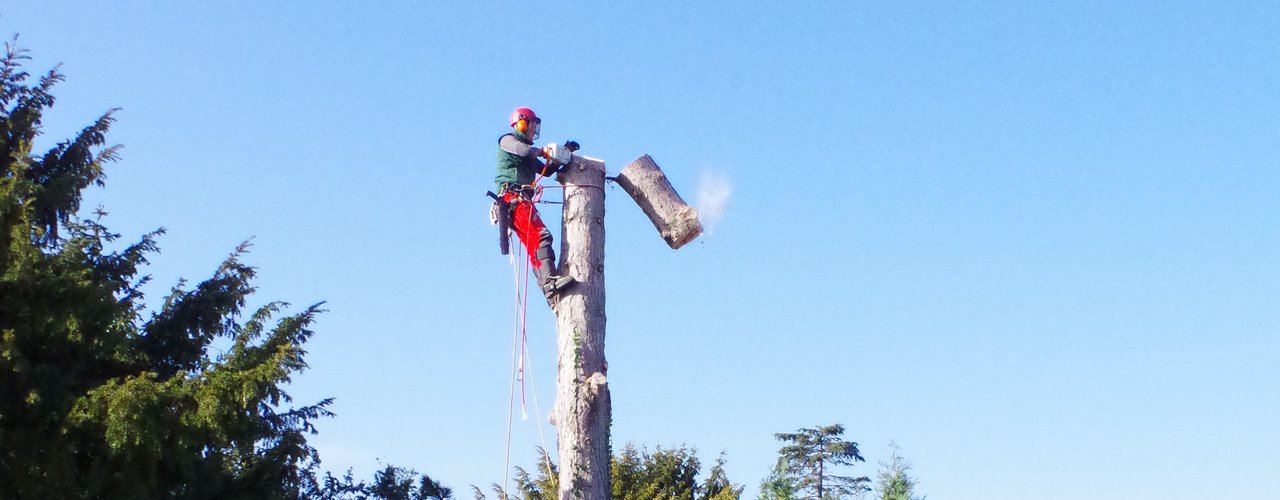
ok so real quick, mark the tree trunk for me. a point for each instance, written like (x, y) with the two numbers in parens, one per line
(821, 473)
(676, 221)
(582, 414)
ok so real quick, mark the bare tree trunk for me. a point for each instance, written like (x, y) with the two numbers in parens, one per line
(582, 414)
(676, 221)
(821, 473)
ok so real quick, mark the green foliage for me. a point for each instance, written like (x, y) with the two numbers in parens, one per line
(893, 480)
(95, 400)
(640, 474)
(637, 474)
(544, 486)
(812, 453)
(780, 484)
(717, 485)
(390, 483)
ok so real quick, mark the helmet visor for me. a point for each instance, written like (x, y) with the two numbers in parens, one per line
(535, 126)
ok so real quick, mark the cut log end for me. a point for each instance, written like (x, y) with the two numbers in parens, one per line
(684, 229)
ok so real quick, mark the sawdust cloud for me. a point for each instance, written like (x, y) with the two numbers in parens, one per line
(712, 202)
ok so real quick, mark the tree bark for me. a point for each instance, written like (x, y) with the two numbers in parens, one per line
(676, 221)
(582, 414)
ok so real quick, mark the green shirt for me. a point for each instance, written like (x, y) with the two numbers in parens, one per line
(513, 167)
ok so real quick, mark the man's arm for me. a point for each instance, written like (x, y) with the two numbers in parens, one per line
(510, 144)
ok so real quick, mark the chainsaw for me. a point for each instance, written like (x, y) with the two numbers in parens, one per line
(558, 157)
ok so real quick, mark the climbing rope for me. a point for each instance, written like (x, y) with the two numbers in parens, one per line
(515, 352)
(521, 267)
(537, 408)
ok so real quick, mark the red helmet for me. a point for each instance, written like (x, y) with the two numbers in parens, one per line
(533, 124)
(524, 114)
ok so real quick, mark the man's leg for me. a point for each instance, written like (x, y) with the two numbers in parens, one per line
(551, 281)
(523, 217)
(537, 241)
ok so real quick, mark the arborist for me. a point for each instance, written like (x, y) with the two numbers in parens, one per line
(519, 169)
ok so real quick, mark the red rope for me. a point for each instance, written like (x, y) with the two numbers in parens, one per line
(524, 336)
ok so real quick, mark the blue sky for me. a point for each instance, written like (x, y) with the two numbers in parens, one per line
(1034, 245)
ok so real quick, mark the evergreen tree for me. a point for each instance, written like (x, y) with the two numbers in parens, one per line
(638, 474)
(97, 401)
(544, 486)
(717, 485)
(389, 483)
(894, 481)
(779, 484)
(642, 475)
(397, 483)
(811, 455)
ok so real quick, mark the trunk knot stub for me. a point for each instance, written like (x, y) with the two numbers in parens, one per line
(596, 383)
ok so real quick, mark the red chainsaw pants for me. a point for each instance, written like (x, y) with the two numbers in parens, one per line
(527, 225)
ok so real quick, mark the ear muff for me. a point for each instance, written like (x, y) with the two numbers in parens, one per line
(522, 126)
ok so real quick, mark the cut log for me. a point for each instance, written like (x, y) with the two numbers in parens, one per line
(677, 222)
(582, 410)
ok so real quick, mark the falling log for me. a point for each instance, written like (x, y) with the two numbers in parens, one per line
(676, 221)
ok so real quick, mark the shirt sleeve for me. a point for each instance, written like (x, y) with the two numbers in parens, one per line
(510, 144)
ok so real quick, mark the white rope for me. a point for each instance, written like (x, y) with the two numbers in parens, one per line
(538, 408)
(520, 351)
(515, 352)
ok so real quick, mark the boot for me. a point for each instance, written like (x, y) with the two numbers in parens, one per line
(552, 283)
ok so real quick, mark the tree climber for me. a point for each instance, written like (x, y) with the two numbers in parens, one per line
(518, 171)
